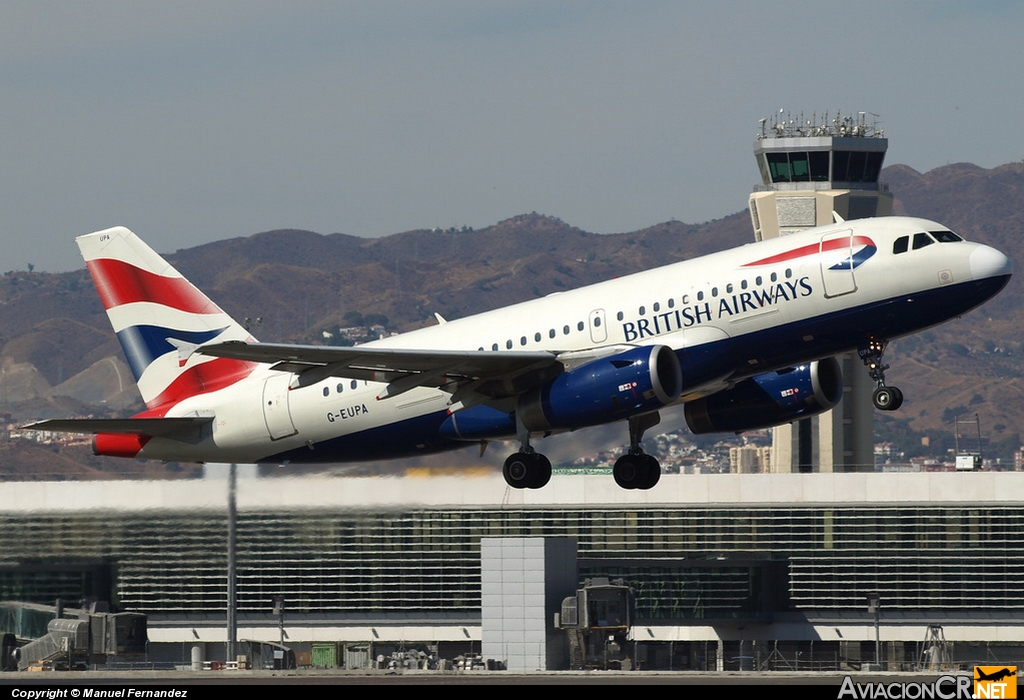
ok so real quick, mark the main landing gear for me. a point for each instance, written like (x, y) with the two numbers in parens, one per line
(636, 469)
(885, 398)
(528, 469)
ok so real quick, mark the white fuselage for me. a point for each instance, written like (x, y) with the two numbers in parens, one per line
(728, 316)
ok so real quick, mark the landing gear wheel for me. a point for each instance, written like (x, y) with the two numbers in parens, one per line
(636, 471)
(542, 473)
(627, 471)
(517, 470)
(887, 398)
(527, 470)
(653, 472)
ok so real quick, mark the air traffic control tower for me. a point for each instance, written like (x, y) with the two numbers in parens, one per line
(809, 169)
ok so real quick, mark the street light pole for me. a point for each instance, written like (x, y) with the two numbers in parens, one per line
(875, 606)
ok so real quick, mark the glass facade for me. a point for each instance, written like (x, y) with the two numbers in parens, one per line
(691, 563)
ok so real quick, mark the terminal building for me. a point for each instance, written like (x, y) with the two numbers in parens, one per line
(729, 571)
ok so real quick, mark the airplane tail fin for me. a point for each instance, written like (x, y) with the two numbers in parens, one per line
(160, 318)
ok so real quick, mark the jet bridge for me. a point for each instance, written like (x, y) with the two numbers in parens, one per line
(597, 621)
(65, 638)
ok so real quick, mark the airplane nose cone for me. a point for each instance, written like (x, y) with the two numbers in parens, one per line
(988, 262)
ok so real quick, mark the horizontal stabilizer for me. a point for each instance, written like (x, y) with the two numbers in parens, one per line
(153, 427)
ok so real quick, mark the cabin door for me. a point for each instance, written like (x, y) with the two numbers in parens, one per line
(275, 406)
(836, 259)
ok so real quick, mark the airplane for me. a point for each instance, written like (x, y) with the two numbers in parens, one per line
(745, 338)
(999, 675)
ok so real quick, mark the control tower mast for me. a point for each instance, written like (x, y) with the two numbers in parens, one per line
(811, 170)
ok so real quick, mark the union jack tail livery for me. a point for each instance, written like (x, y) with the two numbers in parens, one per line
(160, 318)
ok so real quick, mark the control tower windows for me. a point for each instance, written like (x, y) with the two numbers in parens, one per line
(781, 170)
(857, 166)
(798, 166)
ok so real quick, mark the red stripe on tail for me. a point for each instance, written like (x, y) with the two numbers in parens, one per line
(122, 283)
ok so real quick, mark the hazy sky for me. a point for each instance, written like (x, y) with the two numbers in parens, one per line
(192, 121)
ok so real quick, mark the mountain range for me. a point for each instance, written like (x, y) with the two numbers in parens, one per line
(59, 356)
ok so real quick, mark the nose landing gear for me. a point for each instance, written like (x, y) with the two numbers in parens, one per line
(885, 398)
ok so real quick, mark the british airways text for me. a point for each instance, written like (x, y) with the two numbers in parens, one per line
(732, 305)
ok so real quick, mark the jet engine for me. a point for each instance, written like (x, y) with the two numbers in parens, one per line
(769, 399)
(601, 391)
(604, 390)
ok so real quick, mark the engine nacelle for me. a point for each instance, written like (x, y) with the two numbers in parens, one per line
(604, 390)
(769, 399)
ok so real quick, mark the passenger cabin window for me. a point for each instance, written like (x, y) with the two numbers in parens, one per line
(921, 240)
(900, 245)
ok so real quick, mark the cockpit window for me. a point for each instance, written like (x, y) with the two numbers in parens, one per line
(946, 236)
(921, 240)
(900, 245)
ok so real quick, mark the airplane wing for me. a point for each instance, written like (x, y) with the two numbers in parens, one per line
(154, 427)
(493, 375)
